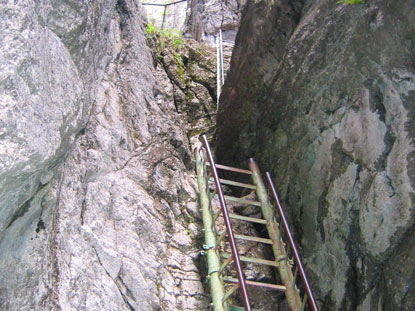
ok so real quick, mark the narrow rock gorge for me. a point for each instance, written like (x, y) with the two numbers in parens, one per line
(98, 114)
(323, 96)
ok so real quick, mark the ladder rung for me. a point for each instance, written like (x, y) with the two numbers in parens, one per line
(234, 183)
(259, 284)
(232, 169)
(239, 200)
(253, 238)
(253, 260)
(249, 238)
(225, 263)
(304, 301)
(250, 219)
(216, 215)
(220, 237)
(236, 308)
(230, 292)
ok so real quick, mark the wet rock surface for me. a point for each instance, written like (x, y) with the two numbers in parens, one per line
(326, 104)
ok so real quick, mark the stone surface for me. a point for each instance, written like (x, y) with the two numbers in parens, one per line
(206, 17)
(98, 199)
(41, 104)
(326, 103)
(190, 79)
(174, 17)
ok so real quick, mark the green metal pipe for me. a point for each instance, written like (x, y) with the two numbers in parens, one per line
(280, 254)
(164, 17)
(216, 285)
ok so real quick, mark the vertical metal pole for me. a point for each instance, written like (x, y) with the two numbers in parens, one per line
(278, 248)
(228, 224)
(297, 259)
(221, 56)
(216, 286)
(164, 17)
(218, 85)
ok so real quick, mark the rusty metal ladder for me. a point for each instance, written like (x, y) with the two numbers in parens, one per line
(217, 261)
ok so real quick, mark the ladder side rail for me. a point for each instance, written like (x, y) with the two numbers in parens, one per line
(228, 224)
(278, 247)
(291, 242)
(216, 284)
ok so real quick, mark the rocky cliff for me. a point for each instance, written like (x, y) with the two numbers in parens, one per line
(206, 17)
(98, 201)
(323, 95)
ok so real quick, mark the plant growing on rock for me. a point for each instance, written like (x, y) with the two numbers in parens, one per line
(349, 1)
(165, 38)
(152, 30)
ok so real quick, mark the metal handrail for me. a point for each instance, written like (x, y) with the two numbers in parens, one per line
(221, 56)
(228, 225)
(297, 259)
(220, 72)
(165, 5)
(162, 4)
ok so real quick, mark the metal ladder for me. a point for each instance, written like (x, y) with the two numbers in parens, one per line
(217, 261)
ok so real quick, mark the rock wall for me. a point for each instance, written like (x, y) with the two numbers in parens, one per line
(206, 17)
(191, 71)
(323, 95)
(98, 201)
(175, 14)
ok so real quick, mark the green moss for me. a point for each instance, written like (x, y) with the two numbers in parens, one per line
(247, 110)
(136, 135)
(196, 132)
(93, 106)
(349, 2)
(207, 119)
(152, 30)
(167, 38)
(180, 65)
(190, 218)
(280, 137)
(189, 96)
(177, 43)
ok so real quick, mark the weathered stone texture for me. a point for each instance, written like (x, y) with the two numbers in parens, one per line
(206, 17)
(329, 110)
(112, 225)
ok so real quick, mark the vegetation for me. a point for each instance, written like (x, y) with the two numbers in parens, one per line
(349, 1)
(166, 37)
(171, 40)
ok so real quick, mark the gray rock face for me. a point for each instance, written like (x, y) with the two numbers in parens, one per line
(206, 17)
(174, 16)
(112, 225)
(192, 72)
(42, 104)
(327, 105)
